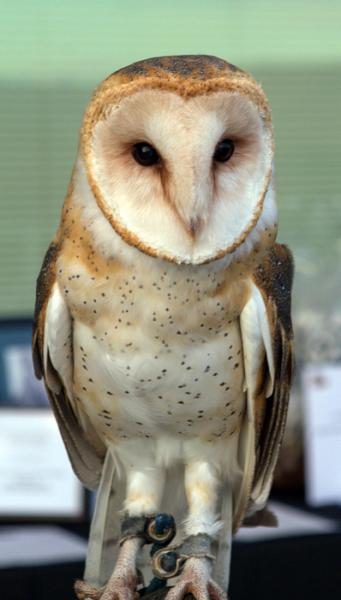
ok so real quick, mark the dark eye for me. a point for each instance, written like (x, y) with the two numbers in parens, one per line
(145, 154)
(224, 150)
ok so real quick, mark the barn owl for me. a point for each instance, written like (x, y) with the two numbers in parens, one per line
(162, 325)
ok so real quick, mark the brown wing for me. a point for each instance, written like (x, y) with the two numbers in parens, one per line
(274, 280)
(45, 281)
(85, 458)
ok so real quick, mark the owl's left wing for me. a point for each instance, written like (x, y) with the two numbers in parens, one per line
(268, 358)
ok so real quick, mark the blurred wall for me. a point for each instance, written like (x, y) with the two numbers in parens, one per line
(54, 53)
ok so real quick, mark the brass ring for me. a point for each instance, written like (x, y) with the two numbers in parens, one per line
(158, 567)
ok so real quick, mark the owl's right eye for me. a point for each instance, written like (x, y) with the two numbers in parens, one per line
(145, 154)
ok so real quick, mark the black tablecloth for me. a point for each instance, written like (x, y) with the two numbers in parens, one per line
(295, 569)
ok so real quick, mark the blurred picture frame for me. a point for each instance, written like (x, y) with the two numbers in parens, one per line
(36, 479)
(18, 384)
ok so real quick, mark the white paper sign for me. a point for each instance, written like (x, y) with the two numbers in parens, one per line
(322, 422)
(36, 478)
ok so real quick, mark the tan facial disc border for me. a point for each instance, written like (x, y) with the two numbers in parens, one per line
(108, 95)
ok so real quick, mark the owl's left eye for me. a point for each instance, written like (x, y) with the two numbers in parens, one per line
(145, 154)
(224, 150)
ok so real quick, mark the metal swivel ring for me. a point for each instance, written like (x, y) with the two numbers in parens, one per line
(168, 563)
(160, 529)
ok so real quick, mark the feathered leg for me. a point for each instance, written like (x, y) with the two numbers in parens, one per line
(202, 483)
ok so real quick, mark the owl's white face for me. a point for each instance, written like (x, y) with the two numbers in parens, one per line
(203, 192)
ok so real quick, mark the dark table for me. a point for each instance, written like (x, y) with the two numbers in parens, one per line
(299, 568)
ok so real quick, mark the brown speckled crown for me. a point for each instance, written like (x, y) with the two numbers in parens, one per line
(198, 66)
(187, 75)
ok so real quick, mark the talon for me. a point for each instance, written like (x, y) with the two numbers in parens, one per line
(118, 590)
(84, 590)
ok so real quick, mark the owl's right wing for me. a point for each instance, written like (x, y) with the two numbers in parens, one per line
(53, 361)
(268, 359)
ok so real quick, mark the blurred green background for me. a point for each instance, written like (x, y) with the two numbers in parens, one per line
(54, 53)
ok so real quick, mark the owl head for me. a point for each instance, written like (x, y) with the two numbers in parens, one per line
(178, 153)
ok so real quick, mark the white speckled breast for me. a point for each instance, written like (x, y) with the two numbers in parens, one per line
(162, 356)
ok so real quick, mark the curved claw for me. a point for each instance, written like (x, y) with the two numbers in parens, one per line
(189, 590)
(84, 590)
(115, 590)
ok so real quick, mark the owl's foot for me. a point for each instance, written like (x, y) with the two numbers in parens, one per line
(85, 591)
(193, 561)
(123, 583)
(196, 580)
(118, 588)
